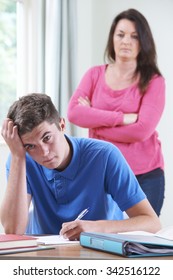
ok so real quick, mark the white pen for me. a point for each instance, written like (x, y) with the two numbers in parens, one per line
(79, 217)
(82, 214)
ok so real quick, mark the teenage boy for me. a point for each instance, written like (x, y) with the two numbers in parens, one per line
(63, 175)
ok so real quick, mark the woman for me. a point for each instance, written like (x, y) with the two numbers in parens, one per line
(123, 100)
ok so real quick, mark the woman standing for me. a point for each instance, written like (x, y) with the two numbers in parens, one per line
(123, 100)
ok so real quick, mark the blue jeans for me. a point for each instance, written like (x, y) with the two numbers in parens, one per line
(153, 185)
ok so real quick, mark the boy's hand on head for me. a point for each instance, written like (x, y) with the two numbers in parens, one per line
(10, 134)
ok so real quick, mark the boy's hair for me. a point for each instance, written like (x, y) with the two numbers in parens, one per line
(31, 110)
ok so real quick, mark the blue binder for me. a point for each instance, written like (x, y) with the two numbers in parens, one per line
(129, 246)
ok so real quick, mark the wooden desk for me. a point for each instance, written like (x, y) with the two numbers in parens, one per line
(70, 252)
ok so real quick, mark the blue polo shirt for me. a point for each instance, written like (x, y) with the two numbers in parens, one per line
(97, 177)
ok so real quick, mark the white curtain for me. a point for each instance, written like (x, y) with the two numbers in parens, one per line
(47, 50)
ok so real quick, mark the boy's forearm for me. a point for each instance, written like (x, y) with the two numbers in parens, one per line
(14, 209)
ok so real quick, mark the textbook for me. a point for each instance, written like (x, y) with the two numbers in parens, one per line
(14, 243)
(128, 244)
(24, 249)
(9, 241)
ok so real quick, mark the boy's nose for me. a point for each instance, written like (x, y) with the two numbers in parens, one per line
(44, 150)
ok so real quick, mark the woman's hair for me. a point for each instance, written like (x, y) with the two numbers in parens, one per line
(31, 110)
(147, 57)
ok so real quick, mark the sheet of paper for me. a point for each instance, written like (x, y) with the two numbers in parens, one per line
(138, 232)
(166, 233)
(54, 240)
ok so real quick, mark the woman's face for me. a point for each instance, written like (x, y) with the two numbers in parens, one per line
(125, 40)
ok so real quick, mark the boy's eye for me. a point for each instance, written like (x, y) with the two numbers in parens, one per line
(46, 138)
(29, 147)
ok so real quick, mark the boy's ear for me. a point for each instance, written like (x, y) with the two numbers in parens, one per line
(61, 127)
(62, 124)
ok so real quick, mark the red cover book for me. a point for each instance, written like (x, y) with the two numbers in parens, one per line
(9, 241)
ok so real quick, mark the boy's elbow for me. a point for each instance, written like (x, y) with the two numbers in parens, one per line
(155, 224)
(10, 227)
(158, 225)
(13, 230)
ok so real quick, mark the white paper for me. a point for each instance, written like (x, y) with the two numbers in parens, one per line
(54, 240)
(138, 232)
(166, 233)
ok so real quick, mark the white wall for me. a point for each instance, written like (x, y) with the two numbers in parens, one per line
(95, 18)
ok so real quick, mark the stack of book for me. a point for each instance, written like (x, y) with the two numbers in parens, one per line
(14, 243)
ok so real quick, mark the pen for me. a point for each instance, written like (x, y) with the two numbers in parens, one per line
(82, 214)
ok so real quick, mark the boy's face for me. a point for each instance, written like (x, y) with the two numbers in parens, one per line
(47, 145)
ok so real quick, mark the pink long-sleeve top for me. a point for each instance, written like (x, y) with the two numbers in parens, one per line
(138, 142)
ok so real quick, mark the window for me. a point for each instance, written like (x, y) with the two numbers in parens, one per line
(8, 56)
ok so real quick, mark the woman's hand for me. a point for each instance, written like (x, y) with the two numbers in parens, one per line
(84, 101)
(130, 118)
